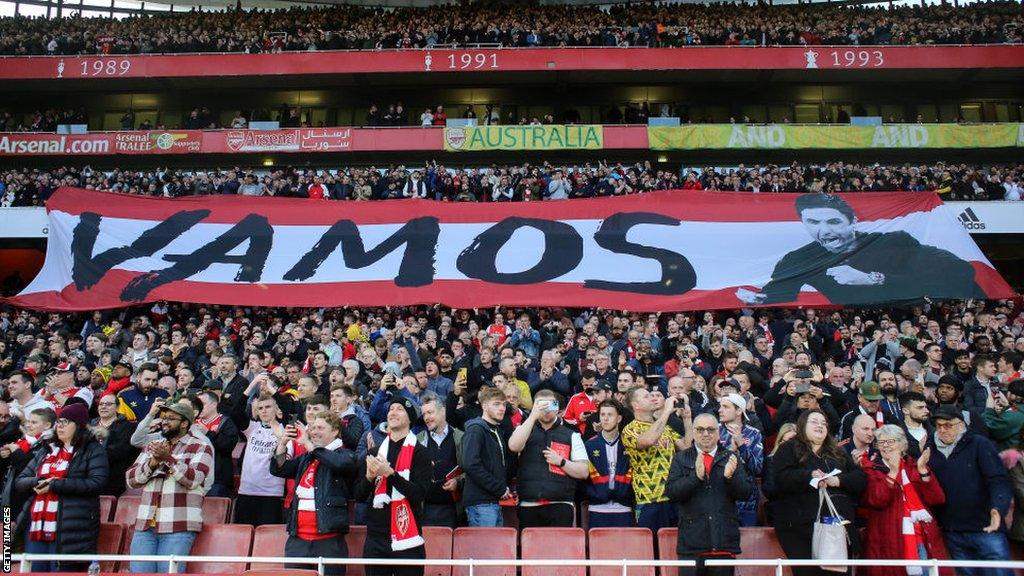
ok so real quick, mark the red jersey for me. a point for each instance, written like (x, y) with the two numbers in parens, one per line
(579, 406)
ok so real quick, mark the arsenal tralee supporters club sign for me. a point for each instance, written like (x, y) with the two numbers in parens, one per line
(660, 251)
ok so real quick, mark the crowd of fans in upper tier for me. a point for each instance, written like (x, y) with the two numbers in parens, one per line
(638, 24)
(524, 182)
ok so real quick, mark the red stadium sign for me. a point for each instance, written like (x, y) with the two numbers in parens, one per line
(506, 60)
(306, 140)
(641, 252)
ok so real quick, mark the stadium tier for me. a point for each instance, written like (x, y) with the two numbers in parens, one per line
(512, 288)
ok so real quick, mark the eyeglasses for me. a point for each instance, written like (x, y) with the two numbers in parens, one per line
(701, 430)
(886, 442)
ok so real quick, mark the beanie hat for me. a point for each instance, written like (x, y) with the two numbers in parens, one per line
(410, 408)
(76, 412)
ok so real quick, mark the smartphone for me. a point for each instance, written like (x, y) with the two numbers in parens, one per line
(803, 388)
(552, 407)
(462, 373)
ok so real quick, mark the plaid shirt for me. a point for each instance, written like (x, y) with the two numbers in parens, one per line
(172, 494)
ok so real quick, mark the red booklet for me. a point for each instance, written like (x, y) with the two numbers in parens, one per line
(455, 473)
(562, 450)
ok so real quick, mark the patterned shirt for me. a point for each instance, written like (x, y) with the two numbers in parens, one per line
(650, 465)
(172, 494)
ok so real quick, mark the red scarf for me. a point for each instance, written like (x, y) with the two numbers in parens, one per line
(914, 513)
(405, 534)
(44, 506)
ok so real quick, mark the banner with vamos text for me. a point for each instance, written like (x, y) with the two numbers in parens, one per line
(639, 252)
(785, 136)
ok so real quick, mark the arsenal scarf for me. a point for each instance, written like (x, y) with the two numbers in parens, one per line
(44, 506)
(405, 534)
(913, 513)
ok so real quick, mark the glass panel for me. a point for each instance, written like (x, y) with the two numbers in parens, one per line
(127, 4)
(317, 117)
(926, 113)
(6, 8)
(893, 113)
(806, 114)
(971, 112)
(947, 112)
(30, 10)
(1002, 112)
(756, 113)
(779, 113)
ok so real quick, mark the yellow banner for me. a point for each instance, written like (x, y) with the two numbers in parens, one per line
(788, 137)
(473, 138)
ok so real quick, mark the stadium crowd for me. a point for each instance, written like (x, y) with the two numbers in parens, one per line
(900, 413)
(634, 24)
(525, 182)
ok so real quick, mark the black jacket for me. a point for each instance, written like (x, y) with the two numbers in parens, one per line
(120, 454)
(78, 514)
(224, 441)
(484, 461)
(796, 503)
(707, 508)
(331, 486)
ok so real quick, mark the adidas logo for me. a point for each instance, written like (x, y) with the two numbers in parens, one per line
(970, 220)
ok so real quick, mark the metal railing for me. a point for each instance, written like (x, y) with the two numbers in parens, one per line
(779, 564)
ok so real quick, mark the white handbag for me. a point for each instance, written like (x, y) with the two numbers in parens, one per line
(830, 541)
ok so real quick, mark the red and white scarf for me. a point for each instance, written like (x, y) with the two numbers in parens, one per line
(914, 512)
(405, 534)
(44, 506)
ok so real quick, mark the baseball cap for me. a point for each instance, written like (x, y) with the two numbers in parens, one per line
(948, 412)
(182, 409)
(871, 390)
(602, 385)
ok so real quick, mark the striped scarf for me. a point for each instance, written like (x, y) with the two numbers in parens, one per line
(44, 506)
(914, 512)
(405, 533)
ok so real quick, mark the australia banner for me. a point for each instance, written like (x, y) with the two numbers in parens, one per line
(660, 251)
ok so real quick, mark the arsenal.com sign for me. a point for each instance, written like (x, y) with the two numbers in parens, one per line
(190, 142)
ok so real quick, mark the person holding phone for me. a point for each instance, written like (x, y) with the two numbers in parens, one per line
(260, 494)
(66, 477)
(552, 458)
(317, 519)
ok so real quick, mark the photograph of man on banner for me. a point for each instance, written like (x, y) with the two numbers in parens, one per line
(851, 267)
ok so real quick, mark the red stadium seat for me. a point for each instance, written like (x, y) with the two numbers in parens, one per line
(481, 544)
(221, 540)
(439, 545)
(619, 543)
(667, 539)
(268, 540)
(127, 509)
(107, 505)
(355, 539)
(554, 543)
(126, 545)
(110, 542)
(216, 510)
(758, 544)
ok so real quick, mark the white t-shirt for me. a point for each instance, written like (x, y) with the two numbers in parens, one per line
(260, 446)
